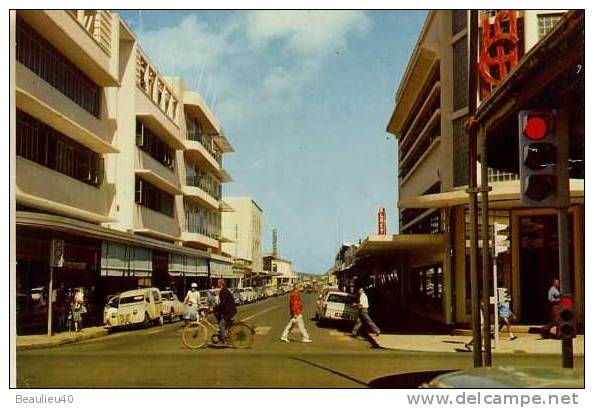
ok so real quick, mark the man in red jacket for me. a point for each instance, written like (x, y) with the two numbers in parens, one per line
(296, 310)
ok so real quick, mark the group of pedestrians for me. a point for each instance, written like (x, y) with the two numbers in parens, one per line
(70, 308)
(226, 310)
(296, 312)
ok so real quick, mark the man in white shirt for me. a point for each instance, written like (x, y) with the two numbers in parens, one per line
(363, 316)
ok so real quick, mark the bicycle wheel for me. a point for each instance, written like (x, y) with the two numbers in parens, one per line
(194, 336)
(240, 335)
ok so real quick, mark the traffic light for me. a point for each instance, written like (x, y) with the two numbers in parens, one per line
(541, 175)
(567, 328)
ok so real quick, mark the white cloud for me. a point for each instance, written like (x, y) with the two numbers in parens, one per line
(239, 58)
(187, 46)
(305, 31)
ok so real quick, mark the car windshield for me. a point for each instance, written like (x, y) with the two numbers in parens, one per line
(113, 303)
(131, 299)
(341, 299)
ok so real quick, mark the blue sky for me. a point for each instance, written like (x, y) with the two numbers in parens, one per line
(304, 98)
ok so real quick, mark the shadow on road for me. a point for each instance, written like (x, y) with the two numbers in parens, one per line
(406, 380)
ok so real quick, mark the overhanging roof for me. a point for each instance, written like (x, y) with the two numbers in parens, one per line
(400, 244)
(503, 195)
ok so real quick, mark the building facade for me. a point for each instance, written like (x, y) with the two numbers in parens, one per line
(281, 270)
(119, 161)
(429, 123)
(244, 226)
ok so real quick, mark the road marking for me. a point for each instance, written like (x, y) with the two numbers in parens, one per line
(262, 330)
(258, 314)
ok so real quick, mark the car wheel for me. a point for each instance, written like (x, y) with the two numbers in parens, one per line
(147, 320)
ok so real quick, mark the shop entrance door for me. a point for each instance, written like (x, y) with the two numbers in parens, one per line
(539, 264)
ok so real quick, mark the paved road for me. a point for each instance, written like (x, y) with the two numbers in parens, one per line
(154, 358)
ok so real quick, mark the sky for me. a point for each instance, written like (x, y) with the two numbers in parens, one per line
(304, 98)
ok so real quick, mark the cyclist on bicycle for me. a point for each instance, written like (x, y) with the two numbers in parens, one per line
(225, 310)
(192, 301)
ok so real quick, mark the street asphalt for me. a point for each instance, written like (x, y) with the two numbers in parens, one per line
(155, 358)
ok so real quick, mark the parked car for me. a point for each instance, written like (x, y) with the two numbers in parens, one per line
(243, 295)
(208, 298)
(172, 307)
(260, 293)
(140, 306)
(251, 294)
(215, 294)
(236, 297)
(271, 291)
(110, 312)
(337, 306)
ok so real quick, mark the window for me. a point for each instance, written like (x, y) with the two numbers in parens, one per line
(459, 21)
(41, 57)
(154, 146)
(202, 221)
(151, 197)
(546, 22)
(460, 152)
(460, 58)
(44, 145)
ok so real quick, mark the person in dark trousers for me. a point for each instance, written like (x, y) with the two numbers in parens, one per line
(363, 316)
(225, 310)
(553, 297)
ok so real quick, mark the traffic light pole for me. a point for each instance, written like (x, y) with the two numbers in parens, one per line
(564, 278)
(485, 252)
(49, 301)
(472, 187)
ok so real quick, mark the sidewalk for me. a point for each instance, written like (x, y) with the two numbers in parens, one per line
(38, 341)
(524, 344)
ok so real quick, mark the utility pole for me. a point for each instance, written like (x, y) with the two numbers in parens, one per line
(472, 187)
(485, 253)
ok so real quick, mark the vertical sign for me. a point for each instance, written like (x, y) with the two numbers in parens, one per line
(381, 221)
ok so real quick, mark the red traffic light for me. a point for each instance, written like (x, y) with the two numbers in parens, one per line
(536, 127)
(566, 302)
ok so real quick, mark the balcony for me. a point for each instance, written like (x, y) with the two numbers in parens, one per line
(155, 224)
(84, 37)
(36, 187)
(199, 239)
(39, 99)
(154, 172)
(196, 152)
(199, 196)
(196, 107)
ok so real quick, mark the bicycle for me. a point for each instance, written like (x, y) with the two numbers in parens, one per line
(240, 335)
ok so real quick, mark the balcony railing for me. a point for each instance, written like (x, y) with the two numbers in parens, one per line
(156, 88)
(494, 175)
(98, 23)
(206, 184)
(202, 221)
(196, 134)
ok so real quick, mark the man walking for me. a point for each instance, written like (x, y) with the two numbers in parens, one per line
(363, 316)
(296, 310)
(225, 310)
(553, 297)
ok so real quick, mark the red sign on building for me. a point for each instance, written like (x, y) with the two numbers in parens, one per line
(381, 221)
(499, 47)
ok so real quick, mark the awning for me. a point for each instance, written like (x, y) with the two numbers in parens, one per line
(389, 244)
(220, 269)
(503, 195)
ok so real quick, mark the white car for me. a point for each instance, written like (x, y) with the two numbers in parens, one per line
(110, 312)
(251, 294)
(140, 306)
(337, 306)
(243, 295)
(270, 291)
(172, 307)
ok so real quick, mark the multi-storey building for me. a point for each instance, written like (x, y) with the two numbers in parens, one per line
(244, 226)
(281, 270)
(425, 268)
(429, 123)
(119, 161)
